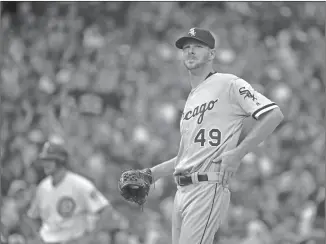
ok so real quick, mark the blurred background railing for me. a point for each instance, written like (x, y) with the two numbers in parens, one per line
(115, 63)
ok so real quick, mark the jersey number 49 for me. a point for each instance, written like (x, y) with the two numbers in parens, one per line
(213, 137)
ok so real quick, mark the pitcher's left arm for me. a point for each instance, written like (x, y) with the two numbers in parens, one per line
(262, 128)
(265, 113)
(248, 102)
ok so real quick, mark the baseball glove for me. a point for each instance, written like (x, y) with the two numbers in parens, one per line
(134, 185)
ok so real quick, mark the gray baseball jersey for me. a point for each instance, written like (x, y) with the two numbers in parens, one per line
(212, 119)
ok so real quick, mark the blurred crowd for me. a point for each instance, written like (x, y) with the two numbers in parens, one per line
(105, 78)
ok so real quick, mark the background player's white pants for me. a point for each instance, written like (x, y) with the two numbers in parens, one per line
(198, 212)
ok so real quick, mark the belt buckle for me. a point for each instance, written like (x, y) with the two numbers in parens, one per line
(179, 181)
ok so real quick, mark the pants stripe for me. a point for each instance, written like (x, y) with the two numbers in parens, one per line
(209, 216)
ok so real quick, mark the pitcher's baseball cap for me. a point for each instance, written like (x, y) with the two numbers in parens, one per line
(198, 34)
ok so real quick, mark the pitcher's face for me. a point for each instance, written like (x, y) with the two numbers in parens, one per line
(196, 54)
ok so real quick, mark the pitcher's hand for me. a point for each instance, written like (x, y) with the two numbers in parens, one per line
(229, 163)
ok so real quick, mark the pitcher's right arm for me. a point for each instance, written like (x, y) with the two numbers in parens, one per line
(163, 169)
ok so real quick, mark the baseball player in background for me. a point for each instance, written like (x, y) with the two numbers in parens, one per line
(65, 202)
(210, 153)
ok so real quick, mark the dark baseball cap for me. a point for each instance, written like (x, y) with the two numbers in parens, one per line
(198, 34)
(53, 151)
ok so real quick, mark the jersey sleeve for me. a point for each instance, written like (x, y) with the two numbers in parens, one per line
(93, 198)
(251, 102)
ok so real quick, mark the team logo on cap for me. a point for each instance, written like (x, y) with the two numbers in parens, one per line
(192, 32)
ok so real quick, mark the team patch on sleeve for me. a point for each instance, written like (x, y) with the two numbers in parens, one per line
(247, 94)
(249, 100)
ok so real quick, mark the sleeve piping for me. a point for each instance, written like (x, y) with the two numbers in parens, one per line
(263, 110)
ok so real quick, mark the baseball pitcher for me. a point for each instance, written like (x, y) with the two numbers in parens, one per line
(209, 153)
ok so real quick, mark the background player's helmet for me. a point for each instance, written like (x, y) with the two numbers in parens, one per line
(54, 151)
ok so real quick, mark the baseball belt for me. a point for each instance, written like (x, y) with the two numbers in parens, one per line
(184, 180)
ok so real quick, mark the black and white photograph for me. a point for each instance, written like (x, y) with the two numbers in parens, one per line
(162, 122)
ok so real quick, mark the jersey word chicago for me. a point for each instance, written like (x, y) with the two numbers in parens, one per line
(212, 120)
(200, 111)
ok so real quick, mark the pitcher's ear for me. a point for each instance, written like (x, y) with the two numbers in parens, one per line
(212, 54)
